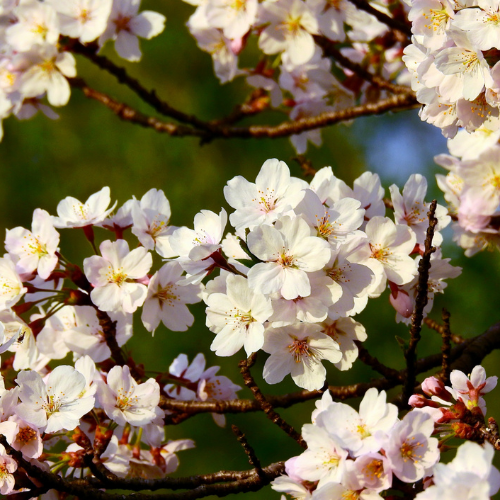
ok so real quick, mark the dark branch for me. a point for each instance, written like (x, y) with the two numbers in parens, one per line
(264, 404)
(420, 303)
(434, 325)
(371, 361)
(252, 457)
(331, 50)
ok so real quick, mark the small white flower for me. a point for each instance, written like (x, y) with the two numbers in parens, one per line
(126, 401)
(298, 350)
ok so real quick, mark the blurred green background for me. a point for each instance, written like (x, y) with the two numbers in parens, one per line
(43, 161)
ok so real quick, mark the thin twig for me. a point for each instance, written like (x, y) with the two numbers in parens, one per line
(148, 96)
(420, 303)
(371, 361)
(331, 50)
(434, 325)
(446, 348)
(264, 404)
(397, 102)
(252, 457)
(306, 165)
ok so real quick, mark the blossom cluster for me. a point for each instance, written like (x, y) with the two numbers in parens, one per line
(293, 71)
(453, 61)
(299, 262)
(472, 190)
(36, 39)
(354, 454)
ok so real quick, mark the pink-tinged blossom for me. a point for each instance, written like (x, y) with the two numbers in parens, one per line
(126, 401)
(54, 404)
(182, 369)
(289, 252)
(274, 193)
(237, 317)
(195, 246)
(410, 448)
(335, 223)
(324, 459)
(298, 350)
(7, 466)
(24, 347)
(34, 250)
(82, 19)
(345, 331)
(86, 338)
(431, 20)
(44, 70)
(166, 300)
(27, 438)
(466, 66)
(471, 388)
(213, 387)
(11, 286)
(373, 472)
(235, 19)
(349, 487)
(291, 26)
(73, 213)
(150, 218)
(470, 475)
(310, 309)
(125, 25)
(114, 276)
(411, 209)
(36, 24)
(361, 432)
(391, 246)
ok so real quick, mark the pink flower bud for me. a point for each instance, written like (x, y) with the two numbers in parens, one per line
(401, 301)
(237, 45)
(434, 387)
(417, 401)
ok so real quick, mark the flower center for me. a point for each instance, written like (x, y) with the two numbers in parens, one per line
(373, 469)
(408, 451)
(122, 23)
(25, 435)
(299, 348)
(286, 260)
(166, 295)
(379, 253)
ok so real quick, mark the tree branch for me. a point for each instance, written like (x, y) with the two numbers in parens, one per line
(420, 303)
(265, 406)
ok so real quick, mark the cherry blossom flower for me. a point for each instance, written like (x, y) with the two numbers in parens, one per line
(36, 24)
(410, 449)
(345, 331)
(390, 248)
(114, 276)
(290, 29)
(324, 459)
(361, 432)
(7, 466)
(126, 401)
(274, 193)
(34, 250)
(166, 300)
(411, 209)
(73, 213)
(469, 475)
(298, 350)
(237, 317)
(55, 404)
(195, 246)
(82, 19)
(45, 70)
(125, 25)
(470, 389)
(234, 18)
(289, 252)
(150, 222)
